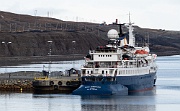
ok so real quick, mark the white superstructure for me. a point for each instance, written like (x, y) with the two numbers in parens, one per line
(117, 60)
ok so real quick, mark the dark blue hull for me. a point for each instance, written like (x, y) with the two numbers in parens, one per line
(98, 88)
(119, 85)
(137, 82)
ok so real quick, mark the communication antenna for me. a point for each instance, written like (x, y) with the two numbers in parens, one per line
(147, 39)
(131, 36)
(48, 14)
(129, 18)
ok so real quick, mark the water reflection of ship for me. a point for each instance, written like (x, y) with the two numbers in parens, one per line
(151, 92)
(57, 81)
(117, 107)
(141, 101)
(118, 68)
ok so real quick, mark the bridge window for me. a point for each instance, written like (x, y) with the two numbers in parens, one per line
(102, 71)
(105, 55)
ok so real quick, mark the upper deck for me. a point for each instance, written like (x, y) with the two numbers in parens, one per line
(105, 55)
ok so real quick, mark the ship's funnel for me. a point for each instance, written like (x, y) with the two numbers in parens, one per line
(116, 21)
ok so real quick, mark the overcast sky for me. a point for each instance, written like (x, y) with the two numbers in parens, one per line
(157, 14)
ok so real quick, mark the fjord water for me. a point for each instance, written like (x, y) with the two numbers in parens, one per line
(164, 97)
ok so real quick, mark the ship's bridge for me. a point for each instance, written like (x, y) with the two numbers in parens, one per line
(106, 55)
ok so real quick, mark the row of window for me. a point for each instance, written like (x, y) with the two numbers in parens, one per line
(103, 72)
(133, 71)
(123, 72)
(105, 55)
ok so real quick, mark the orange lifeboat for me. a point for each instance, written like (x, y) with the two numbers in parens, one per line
(141, 52)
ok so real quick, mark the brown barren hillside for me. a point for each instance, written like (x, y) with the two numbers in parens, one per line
(30, 35)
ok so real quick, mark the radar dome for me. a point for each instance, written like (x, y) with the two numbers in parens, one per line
(112, 34)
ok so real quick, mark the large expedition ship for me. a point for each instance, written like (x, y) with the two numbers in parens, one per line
(119, 67)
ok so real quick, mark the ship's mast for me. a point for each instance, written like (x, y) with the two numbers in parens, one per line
(120, 28)
(131, 36)
(123, 40)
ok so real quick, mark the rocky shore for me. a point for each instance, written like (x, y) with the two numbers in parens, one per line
(18, 81)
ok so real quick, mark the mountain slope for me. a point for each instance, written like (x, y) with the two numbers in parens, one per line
(29, 36)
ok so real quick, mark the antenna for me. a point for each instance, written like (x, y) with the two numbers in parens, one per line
(129, 18)
(148, 39)
(131, 36)
(48, 14)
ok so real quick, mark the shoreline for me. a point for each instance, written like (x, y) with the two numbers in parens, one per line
(13, 61)
(10, 61)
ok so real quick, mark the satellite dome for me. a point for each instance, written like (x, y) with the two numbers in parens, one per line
(112, 34)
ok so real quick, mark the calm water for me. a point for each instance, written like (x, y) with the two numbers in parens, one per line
(55, 66)
(165, 97)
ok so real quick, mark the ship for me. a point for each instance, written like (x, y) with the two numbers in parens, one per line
(118, 68)
(57, 82)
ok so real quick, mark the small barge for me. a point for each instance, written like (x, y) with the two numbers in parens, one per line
(57, 82)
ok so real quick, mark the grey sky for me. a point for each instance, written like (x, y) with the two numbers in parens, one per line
(158, 14)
